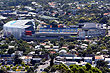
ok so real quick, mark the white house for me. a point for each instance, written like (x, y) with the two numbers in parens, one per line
(37, 47)
(47, 47)
(63, 52)
(55, 47)
(88, 59)
(11, 47)
(107, 59)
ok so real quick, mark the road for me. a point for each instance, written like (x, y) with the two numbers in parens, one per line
(43, 66)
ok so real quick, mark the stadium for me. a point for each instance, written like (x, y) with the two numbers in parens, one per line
(25, 29)
(19, 28)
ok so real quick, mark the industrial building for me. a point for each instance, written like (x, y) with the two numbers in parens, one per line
(19, 28)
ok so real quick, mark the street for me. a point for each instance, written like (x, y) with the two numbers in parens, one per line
(42, 67)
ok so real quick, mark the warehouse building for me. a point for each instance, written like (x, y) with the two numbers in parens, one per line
(19, 28)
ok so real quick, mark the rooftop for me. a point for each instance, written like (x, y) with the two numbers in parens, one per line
(47, 17)
(18, 23)
(91, 25)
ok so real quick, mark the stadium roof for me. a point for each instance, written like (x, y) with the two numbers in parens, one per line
(17, 23)
(91, 25)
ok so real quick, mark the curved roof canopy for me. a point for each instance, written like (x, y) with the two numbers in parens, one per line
(18, 23)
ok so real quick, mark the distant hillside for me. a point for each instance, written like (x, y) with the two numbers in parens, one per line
(43, 2)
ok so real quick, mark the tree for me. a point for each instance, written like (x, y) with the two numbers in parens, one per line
(51, 46)
(20, 67)
(57, 14)
(81, 70)
(26, 67)
(53, 68)
(41, 46)
(4, 46)
(30, 70)
(23, 64)
(71, 46)
(88, 66)
(101, 63)
(61, 39)
(103, 20)
(8, 68)
(43, 60)
(16, 58)
(10, 51)
(2, 68)
(14, 68)
(46, 70)
(2, 71)
(11, 65)
(51, 61)
(7, 40)
(36, 66)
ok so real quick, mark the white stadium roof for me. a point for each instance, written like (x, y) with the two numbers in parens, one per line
(17, 23)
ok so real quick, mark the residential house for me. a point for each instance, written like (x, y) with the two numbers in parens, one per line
(63, 52)
(26, 59)
(42, 44)
(77, 59)
(68, 63)
(108, 30)
(107, 59)
(31, 53)
(47, 47)
(106, 14)
(55, 47)
(69, 59)
(45, 56)
(97, 58)
(88, 59)
(29, 8)
(22, 12)
(61, 12)
(36, 60)
(37, 47)
(11, 47)
(64, 47)
(6, 59)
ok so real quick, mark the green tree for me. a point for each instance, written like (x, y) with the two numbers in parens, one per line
(81, 70)
(51, 61)
(101, 63)
(71, 46)
(103, 20)
(11, 65)
(43, 60)
(46, 70)
(2, 68)
(16, 58)
(30, 70)
(20, 67)
(36, 66)
(10, 51)
(88, 66)
(8, 68)
(2, 71)
(23, 64)
(26, 67)
(53, 68)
